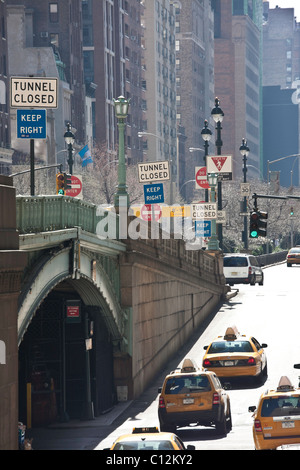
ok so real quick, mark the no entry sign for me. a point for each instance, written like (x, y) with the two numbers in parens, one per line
(201, 177)
(76, 187)
(149, 210)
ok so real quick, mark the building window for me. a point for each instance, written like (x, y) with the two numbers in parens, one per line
(53, 12)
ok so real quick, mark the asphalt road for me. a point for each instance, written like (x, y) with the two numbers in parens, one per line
(269, 313)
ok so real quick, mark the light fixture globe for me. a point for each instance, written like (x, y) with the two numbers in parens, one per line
(217, 113)
(206, 133)
(69, 136)
(244, 149)
(121, 107)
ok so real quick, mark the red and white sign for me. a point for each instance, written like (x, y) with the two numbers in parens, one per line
(201, 178)
(221, 165)
(73, 311)
(149, 210)
(76, 190)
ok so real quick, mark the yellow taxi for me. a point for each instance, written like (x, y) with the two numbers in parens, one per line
(149, 438)
(277, 417)
(236, 355)
(293, 256)
(193, 396)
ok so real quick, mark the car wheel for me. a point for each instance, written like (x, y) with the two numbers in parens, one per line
(289, 265)
(252, 281)
(229, 421)
(261, 283)
(221, 426)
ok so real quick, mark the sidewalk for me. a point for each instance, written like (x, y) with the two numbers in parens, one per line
(76, 434)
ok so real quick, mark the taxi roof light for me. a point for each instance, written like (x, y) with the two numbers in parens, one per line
(189, 365)
(231, 333)
(152, 429)
(285, 384)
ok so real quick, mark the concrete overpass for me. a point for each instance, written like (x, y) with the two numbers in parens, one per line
(93, 319)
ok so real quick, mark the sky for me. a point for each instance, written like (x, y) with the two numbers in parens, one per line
(287, 4)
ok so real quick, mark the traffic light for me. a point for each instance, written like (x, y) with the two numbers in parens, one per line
(60, 183)
(258, 224)
(292, 211)
(67, 181)
(262, 223)
(254, 224)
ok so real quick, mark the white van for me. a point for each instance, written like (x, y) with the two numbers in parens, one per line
(240, 268)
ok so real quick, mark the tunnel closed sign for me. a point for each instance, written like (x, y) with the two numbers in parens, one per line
(33, 92)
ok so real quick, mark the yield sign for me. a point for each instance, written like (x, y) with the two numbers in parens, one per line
(201, 178)
(149, 210)
(220, 164)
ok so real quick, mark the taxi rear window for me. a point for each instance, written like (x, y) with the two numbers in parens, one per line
(282, 406)
(187, 384)
(229, 347)
(144, 445)
(235, 261)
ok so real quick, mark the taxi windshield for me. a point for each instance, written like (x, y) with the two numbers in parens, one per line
(144, 445)
(281, 406)
(187, 384)
(229, 347)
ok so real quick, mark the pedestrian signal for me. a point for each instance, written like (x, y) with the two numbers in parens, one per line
(60, 183)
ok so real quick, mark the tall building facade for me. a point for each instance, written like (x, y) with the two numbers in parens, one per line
(59, 25)
(238, 79)
(5, 151)
(158, 21)
(194, 22)
(281, 81)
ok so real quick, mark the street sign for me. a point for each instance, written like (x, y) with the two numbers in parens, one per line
(76, 187)
(149, 210)
(155, 171)
(33, 92)
(154, 193)
(201, 177)
(245, 189)
(204, 211)
(221, 217)
(221, 165)
(31, 124)
(203, 228)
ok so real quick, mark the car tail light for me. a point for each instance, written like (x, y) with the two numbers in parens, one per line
(206, 363)
(216, 399)
(257, 425)
(161, 403)
(251, 361)
(250, 270)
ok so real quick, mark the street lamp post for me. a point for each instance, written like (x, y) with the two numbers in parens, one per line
(218, 115)
(244, 149)
(213, 242)
(206, 136)
(121, 110)
(69, 139)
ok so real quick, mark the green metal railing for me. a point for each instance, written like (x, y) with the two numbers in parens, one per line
(47, 213)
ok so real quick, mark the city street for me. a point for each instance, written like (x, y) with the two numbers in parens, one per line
(266, 312)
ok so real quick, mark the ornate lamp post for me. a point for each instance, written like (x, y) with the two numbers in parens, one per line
(218, 115)
(121, 110)
(206, 136)
(69, 139)
(213, 243)
(244, 149)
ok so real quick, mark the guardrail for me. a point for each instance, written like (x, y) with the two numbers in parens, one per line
(272, 258)
(36, 214)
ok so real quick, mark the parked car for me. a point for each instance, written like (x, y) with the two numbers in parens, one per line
(240, 268)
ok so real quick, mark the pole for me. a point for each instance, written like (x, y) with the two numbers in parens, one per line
(88, 407)
(32, 189)
(245, 207)
(70, 159)
(122, 187)
(219, 144)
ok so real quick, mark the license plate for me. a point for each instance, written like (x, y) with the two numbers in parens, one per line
(234, 274)
(188, 401)
(228, 363)
(288, 424)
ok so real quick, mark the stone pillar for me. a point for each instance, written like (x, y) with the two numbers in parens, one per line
(12, 264)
